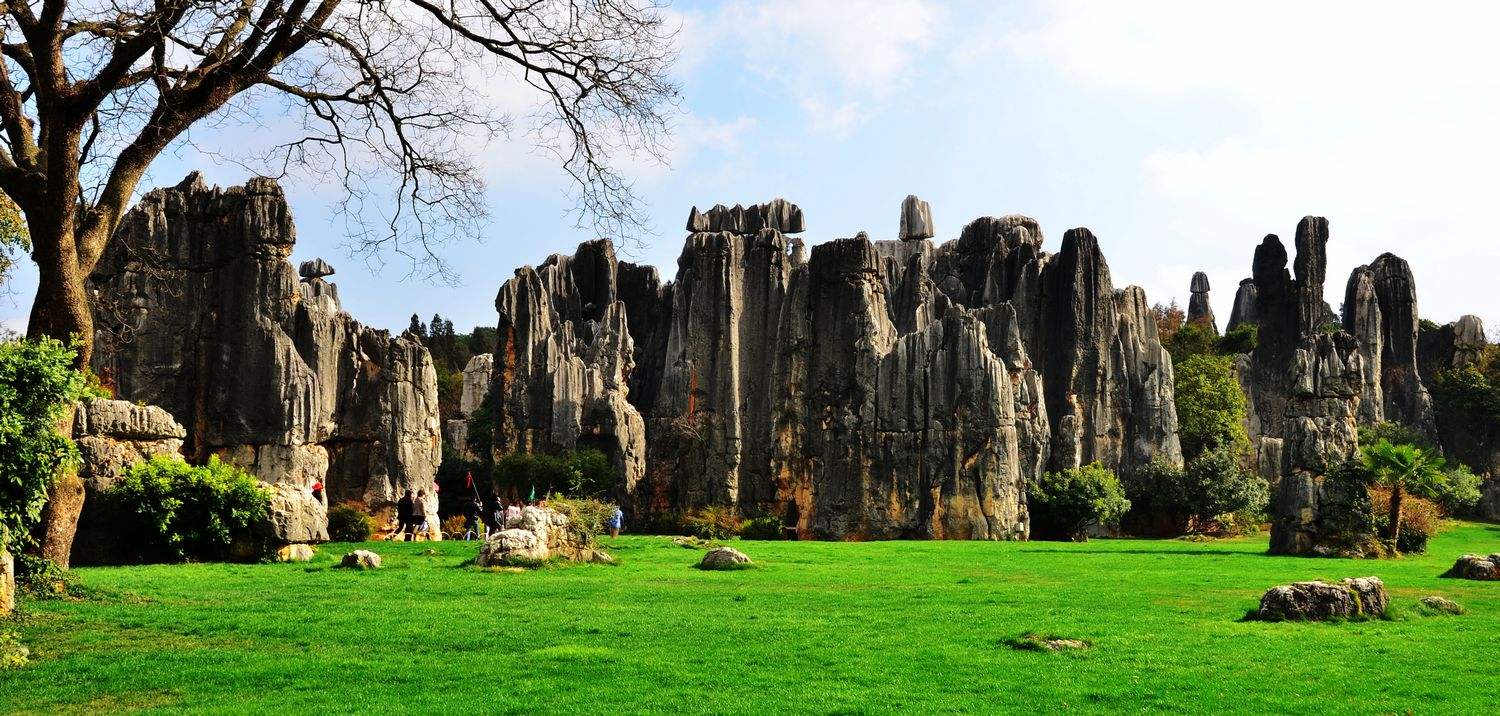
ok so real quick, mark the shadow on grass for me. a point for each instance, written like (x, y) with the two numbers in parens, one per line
(1188, 552)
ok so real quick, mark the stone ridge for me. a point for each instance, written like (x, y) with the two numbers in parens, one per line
(864, 389)
(200, 312)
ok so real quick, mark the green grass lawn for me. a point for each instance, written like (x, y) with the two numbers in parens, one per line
(819, 627)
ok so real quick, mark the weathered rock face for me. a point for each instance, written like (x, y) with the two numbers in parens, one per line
(1199, 309)
(1464, 436)
(1380, 310)
(478, 373)
(563, 361)
(916, 219)
(1318, 601)
(200, 312)
(863, 389)
(1303, 383)
(296, 516)
(1243, 310)
(537, 535)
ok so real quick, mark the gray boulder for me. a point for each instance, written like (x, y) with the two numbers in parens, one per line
(1442, 605)
(724, 558)
(1473, 566)
(361, 559)
(1361, 597)
(296, 516)
(295, 553)
(513, 547)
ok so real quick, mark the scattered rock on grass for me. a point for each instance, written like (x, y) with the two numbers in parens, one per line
(1360, 597)
(361, 559)
(724, 558)
(294, 553)
(1441, 605)
(513, 547)
(1037, 642)
(1473, 566)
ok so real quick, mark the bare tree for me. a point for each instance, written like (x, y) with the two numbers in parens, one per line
(383, 93)
(381, 96)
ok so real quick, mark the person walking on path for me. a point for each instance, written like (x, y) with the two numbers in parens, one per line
(404, 510)
(615, 522)
(419, 516)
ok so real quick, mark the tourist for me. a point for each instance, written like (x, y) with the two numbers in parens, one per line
(615, 522)
(419, 520)
(471, 519)
(317, 492)
(404, 511)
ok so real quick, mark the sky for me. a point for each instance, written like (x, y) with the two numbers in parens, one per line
(1179, 132)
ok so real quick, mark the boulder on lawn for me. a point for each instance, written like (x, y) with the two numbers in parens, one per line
(724, 558)
(514, 547)
(1441, 605)
(361, 559)
(1473, 566)
(296, 516)
(1318, 601)
(294, 553)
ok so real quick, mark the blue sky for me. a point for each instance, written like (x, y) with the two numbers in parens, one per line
(1180, 133)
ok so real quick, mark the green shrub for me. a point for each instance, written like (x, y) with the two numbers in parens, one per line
(590, 473)
(1068, 502)
(1194, 338)
(1210, 406)
(1420, 520)
(672, 522)
(1212, 495)
(1460, 492)
(1240, 339)
(713, 522)
(579, 473)
(13, 654)
(348, 522)
(166, 510)
(37, 382)
(767, 527)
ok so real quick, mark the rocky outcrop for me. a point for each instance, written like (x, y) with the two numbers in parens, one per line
(1380, 310)
(563, 362)
(1360, 597)
(198, 311)
(916, 219)
(1200, 311)
(1243, 311)
(864, 389)
(537, 535)
(1304, 383)
(476, 385)
(296, 517)
(778, 215)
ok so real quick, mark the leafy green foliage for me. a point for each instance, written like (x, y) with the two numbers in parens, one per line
(1067, 502)
(166, 510)
(714, 522)
(1214, 494)
(1470, 395)
(578, 473)
(588, 515)
(1210, 406)
(1394, 432)
(1240, 339)
(348, 522)
(37, 383)
(13, 654)
(1420, 520)
(1403, 468)
(1193, 339)
(15, 239)
(763, 528)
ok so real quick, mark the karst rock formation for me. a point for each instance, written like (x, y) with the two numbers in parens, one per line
(199, 311)
(862, 389)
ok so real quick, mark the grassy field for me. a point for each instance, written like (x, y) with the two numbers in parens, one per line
(817, 628)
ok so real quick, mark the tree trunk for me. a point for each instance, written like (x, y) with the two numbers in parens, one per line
(7, 583)
(1395, 516)
(61, 311)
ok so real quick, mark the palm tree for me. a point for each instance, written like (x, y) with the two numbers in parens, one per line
(1404, 468)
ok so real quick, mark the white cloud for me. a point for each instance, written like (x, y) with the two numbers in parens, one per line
(1379, 116)
(835, 59)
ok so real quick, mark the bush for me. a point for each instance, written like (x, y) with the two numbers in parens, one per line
(587, 515)
(1420, 519)
(767, 527)
(1213, 495)
(1240, 339)
(1210, 406)
(1068, 502)
(454, 525)
(1193, 339)
(579, 473)
(714, 522)
(37, 383)
(166, 510)
(673, 522)
(348, 522)
(590, 474)
(1460, 492)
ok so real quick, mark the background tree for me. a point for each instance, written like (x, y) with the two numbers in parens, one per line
(1210, 405)
(382, 93)
(14, 241)
(1067, 502)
